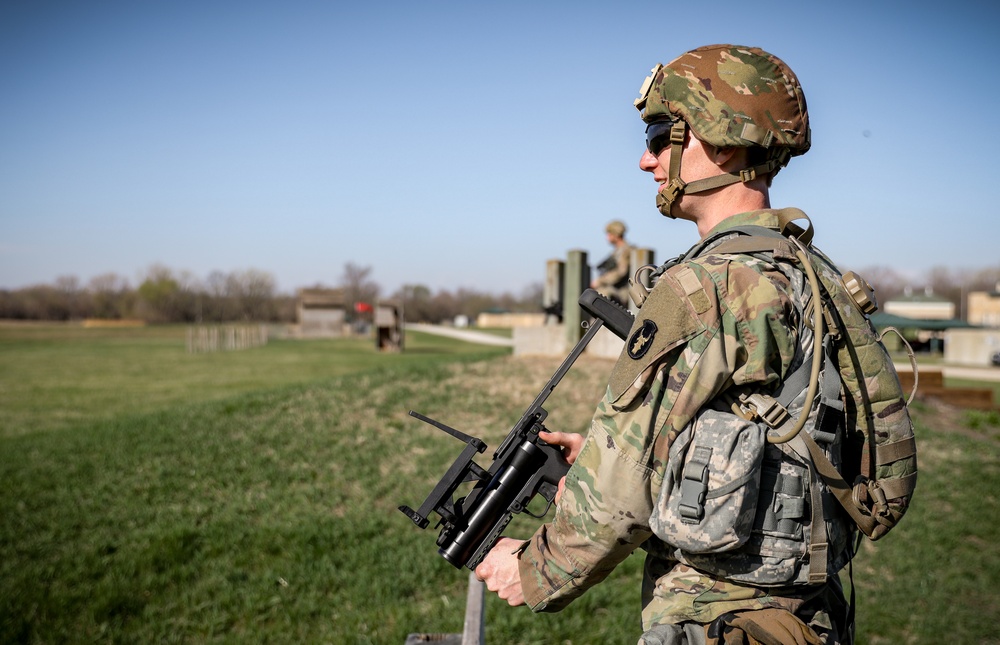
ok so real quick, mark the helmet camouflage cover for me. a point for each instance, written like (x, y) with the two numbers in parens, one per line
(730, 96)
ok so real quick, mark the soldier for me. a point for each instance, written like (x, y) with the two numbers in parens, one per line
(613, 279)
(721, 122)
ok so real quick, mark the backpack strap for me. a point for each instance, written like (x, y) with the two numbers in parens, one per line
(840, 488)
(819, 545)
(761, 239)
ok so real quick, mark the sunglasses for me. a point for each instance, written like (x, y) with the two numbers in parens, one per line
(658, 135)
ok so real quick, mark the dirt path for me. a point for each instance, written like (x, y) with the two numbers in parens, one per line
(462, 334)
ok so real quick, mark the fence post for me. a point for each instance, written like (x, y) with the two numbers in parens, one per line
(577, 278)
(475, 627)
(552, 295)
(474, 631)
(225, 338)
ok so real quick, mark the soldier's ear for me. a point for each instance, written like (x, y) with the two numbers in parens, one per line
(722, 156)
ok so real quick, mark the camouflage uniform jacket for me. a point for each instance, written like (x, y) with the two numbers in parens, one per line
(715, 324)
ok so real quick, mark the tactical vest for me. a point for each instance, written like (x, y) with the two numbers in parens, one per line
(758, 495)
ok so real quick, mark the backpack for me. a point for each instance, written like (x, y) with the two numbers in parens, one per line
(767, 490)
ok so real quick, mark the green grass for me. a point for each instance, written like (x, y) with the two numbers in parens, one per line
(935, 577)
(57, 376)
(269, 515)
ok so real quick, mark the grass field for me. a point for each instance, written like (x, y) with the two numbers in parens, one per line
(58, 376)
(151, 496)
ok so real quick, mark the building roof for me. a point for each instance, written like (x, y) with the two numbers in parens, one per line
(321, 297)
(922, 298)
(882, 320)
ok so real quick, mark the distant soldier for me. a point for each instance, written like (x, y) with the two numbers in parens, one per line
(613, 278)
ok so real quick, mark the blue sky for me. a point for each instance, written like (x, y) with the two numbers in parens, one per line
(460, 144)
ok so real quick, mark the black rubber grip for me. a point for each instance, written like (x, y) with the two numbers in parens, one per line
(615, 317)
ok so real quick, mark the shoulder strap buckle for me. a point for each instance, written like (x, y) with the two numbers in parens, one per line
(764, 407)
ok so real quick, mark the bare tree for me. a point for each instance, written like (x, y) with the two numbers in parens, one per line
(74, 299)
(358, 286)
(416, 300)
(218, 303)
(111, 295)
(985, 280)
(254, 290)
(887, 282)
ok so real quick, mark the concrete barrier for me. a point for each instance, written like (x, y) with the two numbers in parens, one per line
(552, 340)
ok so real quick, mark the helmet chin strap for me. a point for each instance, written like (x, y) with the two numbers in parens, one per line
(671, 193)
(668, 196)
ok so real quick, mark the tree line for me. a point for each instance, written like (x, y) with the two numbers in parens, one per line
(164, 295)
(167, 296)
(949, 284)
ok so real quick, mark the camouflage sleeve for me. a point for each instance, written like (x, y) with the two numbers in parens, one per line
(701, 328)
(596, 526)
(604, 511)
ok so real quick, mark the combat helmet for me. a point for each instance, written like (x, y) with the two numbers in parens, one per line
(728, 96)
(615, 227)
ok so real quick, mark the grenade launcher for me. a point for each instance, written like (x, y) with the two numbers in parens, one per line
(523, 466)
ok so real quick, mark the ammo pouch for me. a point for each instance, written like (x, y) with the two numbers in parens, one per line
(708, 498)
(736, 507)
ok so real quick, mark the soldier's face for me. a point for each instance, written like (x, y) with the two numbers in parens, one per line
(657, 164)
(698, 162)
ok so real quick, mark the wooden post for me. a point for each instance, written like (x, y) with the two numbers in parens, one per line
(474, 632)
(475, 627)
(555, 276)
(577, 278)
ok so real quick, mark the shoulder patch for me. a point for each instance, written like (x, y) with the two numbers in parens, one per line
(641, 339)
(667, 320)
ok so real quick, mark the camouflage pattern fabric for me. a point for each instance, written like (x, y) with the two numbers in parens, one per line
(711, 325)
(815, 614)
(732, 96)
(888, 453)
(759, 627)
(762, 627)
(614, 283)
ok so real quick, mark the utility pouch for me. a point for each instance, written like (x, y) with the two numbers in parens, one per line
(709, 496)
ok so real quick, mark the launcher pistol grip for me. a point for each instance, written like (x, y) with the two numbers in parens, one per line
(615, 317)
